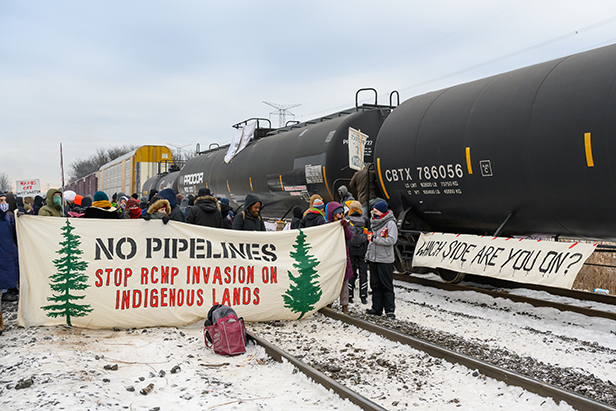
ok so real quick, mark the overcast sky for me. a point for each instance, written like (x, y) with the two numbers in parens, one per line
(101, 74)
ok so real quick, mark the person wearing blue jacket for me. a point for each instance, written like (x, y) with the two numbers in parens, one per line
(9, 265)
(176, 212)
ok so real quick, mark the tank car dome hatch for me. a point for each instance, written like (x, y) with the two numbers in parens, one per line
(286, 166)
(524, 152)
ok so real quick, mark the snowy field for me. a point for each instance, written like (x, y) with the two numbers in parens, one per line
(69, 368)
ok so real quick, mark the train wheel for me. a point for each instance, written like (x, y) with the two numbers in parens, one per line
(449, 276)
(399, 265)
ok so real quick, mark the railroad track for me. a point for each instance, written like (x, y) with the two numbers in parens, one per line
(509, 377)
(583, 296)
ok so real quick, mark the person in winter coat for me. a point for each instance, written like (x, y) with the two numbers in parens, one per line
(314, 215)
(101, 207)
(206, 211)
(9, 265)
(335, 213)
(132, 210)
(37, 205)
(184, 206)
(359, 183)
(357, 251)
(225, 210)
(53, 208)
(159, 210)
(344, 194)
(175, 213)
(380, 256)
(250, 218)
(298, 214)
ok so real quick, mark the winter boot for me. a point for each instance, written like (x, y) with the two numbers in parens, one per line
(1, 323)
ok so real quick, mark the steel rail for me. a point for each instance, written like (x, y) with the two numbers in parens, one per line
(511, 378)
(317, 376)
(517, 298)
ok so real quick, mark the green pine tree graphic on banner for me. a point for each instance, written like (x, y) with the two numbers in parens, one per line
(69, 277)
(304, 291)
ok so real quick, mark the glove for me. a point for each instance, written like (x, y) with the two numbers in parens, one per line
(344, 222)
(166, 220)
(147, 216)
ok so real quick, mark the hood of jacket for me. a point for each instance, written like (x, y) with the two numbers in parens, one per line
(208, 204)
(329, 210)
(169, 195)
(49, 197)
(250, 200)
(154, 207)
(298, 212)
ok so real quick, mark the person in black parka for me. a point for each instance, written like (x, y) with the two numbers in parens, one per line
(298, 214)
(206, 210)
(249, 219)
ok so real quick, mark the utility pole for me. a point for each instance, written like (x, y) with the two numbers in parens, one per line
(283, 110)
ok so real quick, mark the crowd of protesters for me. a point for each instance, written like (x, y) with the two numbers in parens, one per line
(369, 226)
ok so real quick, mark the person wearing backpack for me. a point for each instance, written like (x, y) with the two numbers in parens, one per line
(357, 251)
(249, 219)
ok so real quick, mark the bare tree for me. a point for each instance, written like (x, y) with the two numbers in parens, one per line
(5, 182)
(82, 167)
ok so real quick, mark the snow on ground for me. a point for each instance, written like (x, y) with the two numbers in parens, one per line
(563, 339)
(67, 365)
(395, 376)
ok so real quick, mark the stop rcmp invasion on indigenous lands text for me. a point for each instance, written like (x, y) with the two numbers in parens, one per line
(194, 248)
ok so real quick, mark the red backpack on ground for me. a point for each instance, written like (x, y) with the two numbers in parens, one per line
(224, 331)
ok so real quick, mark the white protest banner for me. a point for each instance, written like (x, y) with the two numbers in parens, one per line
(357, 142)
(134, 273)
(27, 188)
(549, 263)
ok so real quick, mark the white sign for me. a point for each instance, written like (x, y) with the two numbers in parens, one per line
(241, 137)
(357, 143)
(96, 273)
(548, 263)
(27, 188)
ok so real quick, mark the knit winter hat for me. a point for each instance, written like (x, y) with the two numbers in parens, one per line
(78, 199)
(132, 202)
(355, 206)
(100, 196)
(69, 195)
(318, 204)
(204, 192)
(381, 206)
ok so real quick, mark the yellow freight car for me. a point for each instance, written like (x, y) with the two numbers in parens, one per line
(127, 173)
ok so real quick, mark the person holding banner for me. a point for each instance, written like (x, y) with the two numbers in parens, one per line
(335, 213)
(53, 207)
(101, 207)
(9, 266)
(380, 256)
